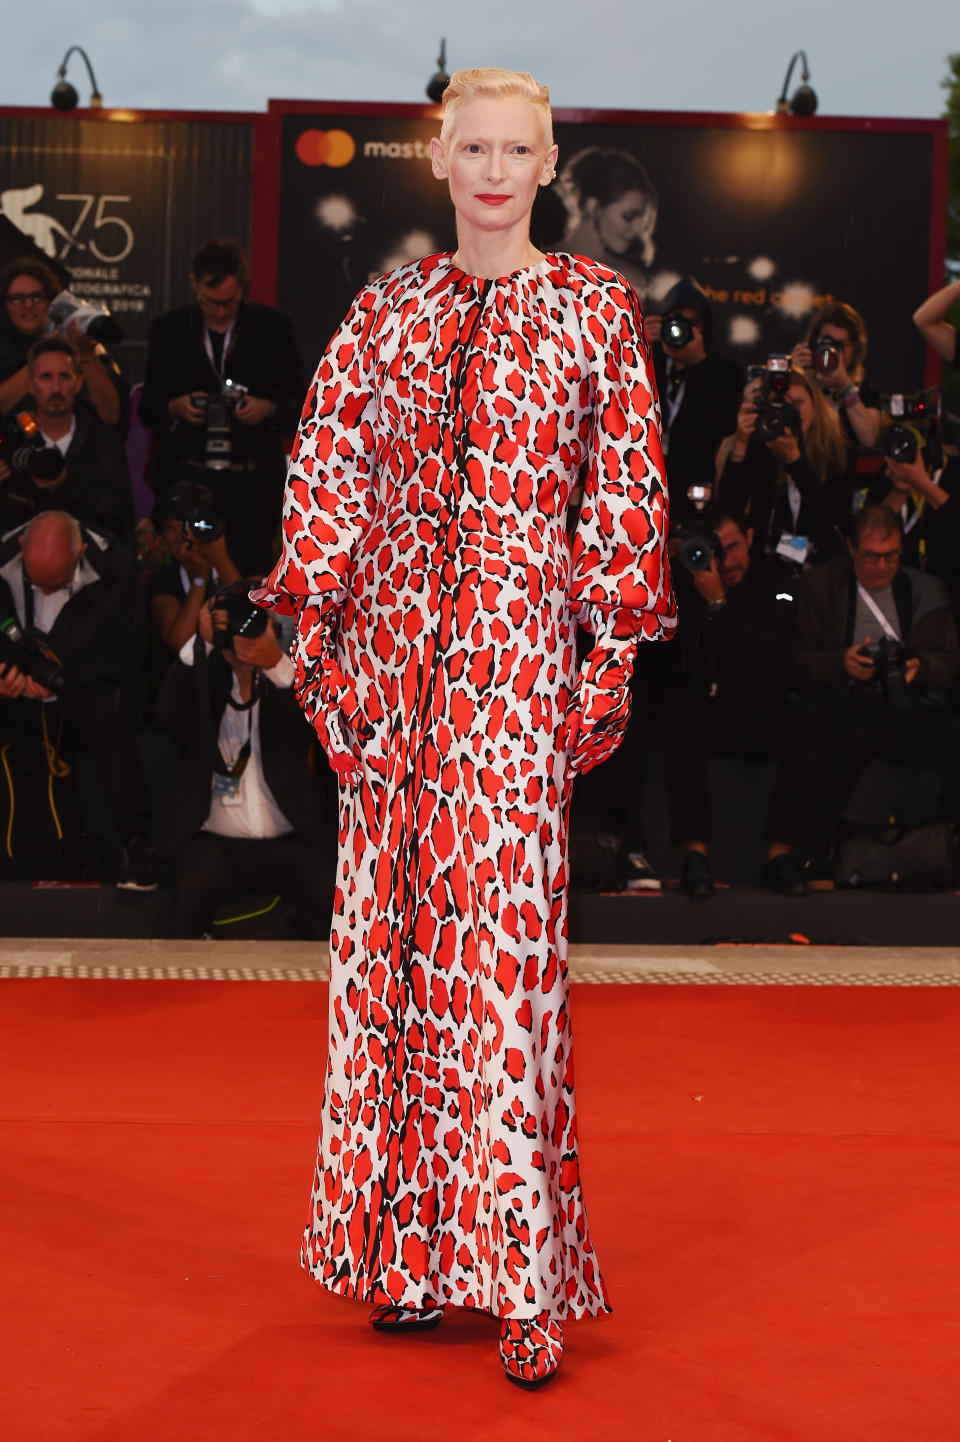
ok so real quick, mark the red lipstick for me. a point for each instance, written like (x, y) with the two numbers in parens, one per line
(493, 199)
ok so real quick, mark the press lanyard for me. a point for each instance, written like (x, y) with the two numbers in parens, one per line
(674, 398)
(219, 371)
(871, 605)
(243, 755)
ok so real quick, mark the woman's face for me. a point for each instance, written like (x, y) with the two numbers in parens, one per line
(799, 398)
(494, 161)
(626, 224)
(27, 305)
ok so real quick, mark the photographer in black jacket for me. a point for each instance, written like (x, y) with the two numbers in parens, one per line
(699, 391)
(224, 384)
(93, 483)
(793, 485)
(81, 593)
(254, 808)
(724, 696)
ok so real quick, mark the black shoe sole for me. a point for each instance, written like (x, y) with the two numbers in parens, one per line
(397, 1328)
(530, 1384)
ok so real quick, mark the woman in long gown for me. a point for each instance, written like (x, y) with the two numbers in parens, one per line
(427, 560)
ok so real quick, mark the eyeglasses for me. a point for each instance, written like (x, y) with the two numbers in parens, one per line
(33, 297)
(206, 302)
(879, 558)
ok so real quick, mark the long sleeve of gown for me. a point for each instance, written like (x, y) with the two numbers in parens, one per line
(619, 559)
(328, 502)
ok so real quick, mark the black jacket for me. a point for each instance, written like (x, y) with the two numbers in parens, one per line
(707, 412)
(933, 541)
(96, 489)
(739, 648)
(825, 620)
(191, 702)
(755, 487)
(263, 357)
(99, 634)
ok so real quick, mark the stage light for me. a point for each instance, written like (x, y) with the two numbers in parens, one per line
(64, 95)
(439, 82)
(803, 101)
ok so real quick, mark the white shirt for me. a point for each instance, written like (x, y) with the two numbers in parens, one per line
(63, 442)
(255, 815)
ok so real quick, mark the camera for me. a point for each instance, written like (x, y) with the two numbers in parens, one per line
(902, 443)
(699, 547)
(916, 424)
(218, 444)
(827, 354)
(243, 617)
(676, 330)
(24, 448)
(29, 652)
(775, 414)
(91, 318)
(888, 657)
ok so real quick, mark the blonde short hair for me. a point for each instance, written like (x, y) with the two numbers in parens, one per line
(489, 82)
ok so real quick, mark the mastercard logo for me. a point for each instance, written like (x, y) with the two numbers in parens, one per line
(325, 147)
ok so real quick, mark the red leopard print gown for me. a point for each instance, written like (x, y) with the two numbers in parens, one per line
(425, 553)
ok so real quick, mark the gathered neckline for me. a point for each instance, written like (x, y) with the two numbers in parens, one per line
(548, 259)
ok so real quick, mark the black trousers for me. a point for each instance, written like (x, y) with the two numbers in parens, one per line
(97, 719)
(828, 744)
(746, 724)
(211, 869)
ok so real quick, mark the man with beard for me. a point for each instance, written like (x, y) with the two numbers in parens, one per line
(93, 484)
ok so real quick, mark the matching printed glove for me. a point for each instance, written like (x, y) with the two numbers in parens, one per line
(328, 698)
(599, 709)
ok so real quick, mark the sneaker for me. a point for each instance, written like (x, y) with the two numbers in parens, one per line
(818, 870)
(138, 867)
(640, 874)
(784, 874)
(696, 878)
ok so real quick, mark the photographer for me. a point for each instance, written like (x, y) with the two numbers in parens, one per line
(926, 496)
(874, 651)
(27, 288)
(785, 466)
(92, 481)
(252, 810)
(724, 696)
(834, 352)
(76, 596)
(931, 321)
(224, 383)
(699, 391)
(184, 517)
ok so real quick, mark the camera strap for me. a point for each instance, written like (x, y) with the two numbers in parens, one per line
(237, 768)
(221, 369)
(871, 605)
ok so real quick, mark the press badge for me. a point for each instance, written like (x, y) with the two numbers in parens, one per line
(226, 789)
(793, 548)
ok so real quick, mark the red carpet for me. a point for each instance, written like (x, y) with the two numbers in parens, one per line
(772, 1176)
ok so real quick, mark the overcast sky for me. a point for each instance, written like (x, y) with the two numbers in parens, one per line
(867, 57)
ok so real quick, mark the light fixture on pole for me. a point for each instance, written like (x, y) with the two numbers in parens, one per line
(439, 82)
(64, 95)
(803, 101)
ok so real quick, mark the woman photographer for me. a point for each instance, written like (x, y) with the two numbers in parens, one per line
(27, 288)
(793, 487)
(834, 352)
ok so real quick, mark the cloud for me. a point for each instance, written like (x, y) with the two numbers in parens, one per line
(691, 55)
